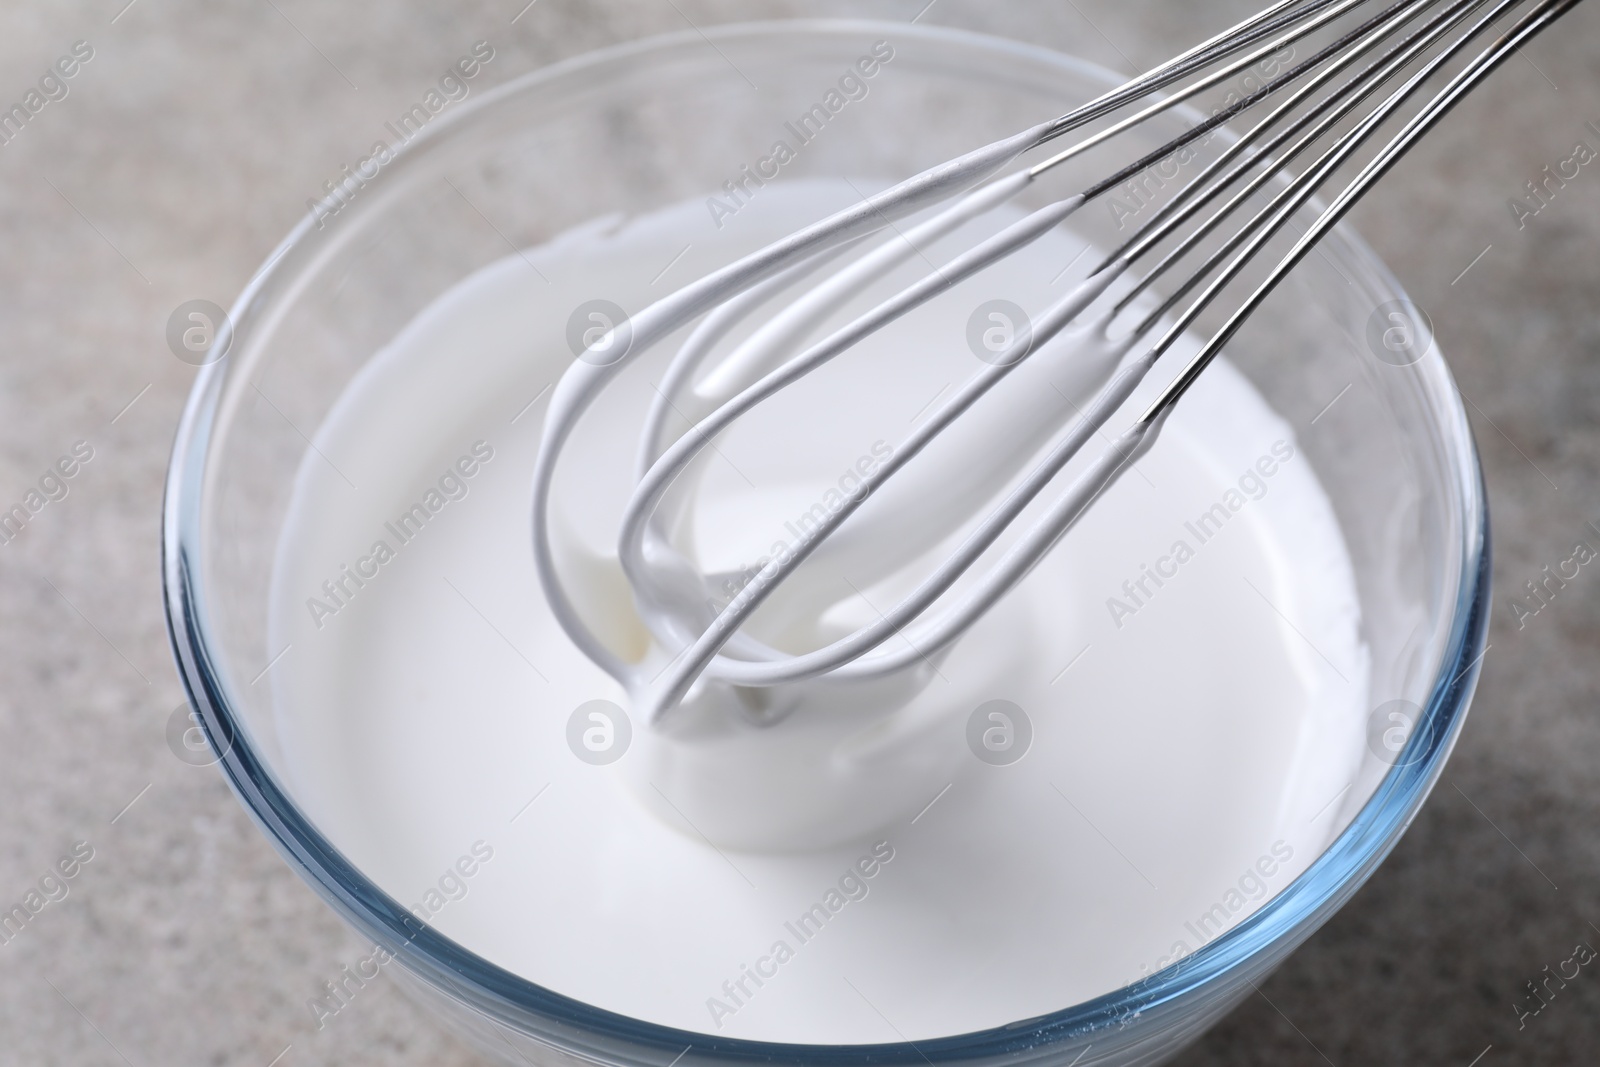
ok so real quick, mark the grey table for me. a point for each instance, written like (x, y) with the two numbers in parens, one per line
(184, 148)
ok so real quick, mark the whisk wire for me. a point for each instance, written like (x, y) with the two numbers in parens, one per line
(711, 644)
(577, 389)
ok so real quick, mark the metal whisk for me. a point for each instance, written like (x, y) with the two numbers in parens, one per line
(1318, 113)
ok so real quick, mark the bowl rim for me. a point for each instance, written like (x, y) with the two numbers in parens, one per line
(1254, 945)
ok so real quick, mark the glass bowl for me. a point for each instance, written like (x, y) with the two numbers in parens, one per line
(672, 118)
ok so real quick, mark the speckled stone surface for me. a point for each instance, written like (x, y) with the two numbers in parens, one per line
(186, 148)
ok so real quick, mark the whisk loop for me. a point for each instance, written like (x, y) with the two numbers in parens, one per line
(1304, 114)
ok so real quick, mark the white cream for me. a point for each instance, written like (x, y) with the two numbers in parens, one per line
(1195, 733)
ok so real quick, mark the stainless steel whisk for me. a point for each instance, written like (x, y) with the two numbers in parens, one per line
(1318, 112)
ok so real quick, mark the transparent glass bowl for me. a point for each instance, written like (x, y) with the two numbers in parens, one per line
(668, 119)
